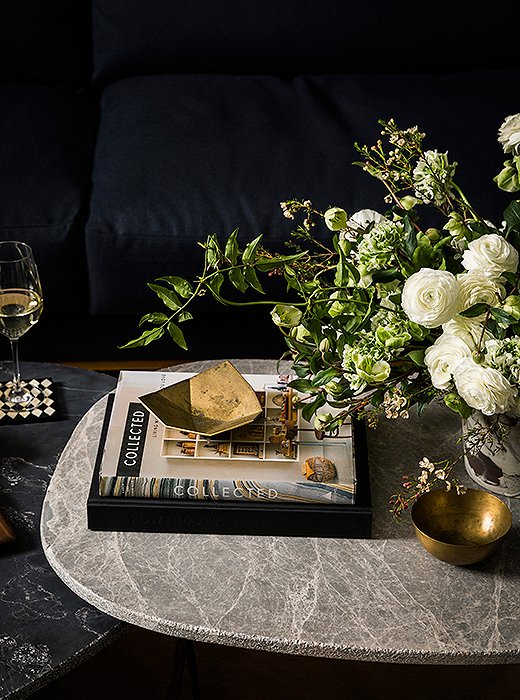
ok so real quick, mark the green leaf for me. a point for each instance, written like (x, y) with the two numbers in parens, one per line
(167, 296)
(503, 318)
(410, 242)
(511, 277)
(184, 316)
(237, 279)
(177, 335)
(305, 386)
(265, 264)
(386, 275)
(475, 310)
(325, 375)
(155, 317)
(144, 339)
(181, 286)
(250, 250)
(212, 251)
(310, 409)
(417, 357)
(253, 280)
(231, 249)
(214, 283)
(512, 215)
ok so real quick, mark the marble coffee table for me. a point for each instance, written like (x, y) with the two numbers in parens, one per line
(381, 599)
(45, 629)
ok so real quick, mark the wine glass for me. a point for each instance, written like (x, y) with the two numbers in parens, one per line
(21, 304)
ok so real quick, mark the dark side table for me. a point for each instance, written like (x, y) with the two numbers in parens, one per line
(45, 629)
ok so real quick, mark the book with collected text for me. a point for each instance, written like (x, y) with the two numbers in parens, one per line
(263, 460)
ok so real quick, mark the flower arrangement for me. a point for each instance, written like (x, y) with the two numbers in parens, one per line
(385, 312)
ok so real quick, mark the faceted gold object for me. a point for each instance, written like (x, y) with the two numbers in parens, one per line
(208, 403)
(460, 529)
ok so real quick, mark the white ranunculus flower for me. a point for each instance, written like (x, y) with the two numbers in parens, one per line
(363, 217)
(431, 297)
(491, 254)
(443, 357)
(509, 134)
(484, 388)
(470, 330)
(475, 287)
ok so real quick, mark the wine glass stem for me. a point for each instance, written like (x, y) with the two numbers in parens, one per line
(16, 364)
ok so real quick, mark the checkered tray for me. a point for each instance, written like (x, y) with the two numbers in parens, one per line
(41, 407)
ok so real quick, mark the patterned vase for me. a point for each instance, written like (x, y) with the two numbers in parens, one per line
(495, 468)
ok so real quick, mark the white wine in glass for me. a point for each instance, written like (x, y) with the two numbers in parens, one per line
(21, 304)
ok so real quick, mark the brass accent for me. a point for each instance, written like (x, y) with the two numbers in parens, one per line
(208, 403)
(7, 533)
(460, 529)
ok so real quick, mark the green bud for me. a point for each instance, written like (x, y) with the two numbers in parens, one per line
(457, 227)
(300, 333)
(508, 179)
(286, 315)
(336, 218)
(371, 371)
(324, 345)
(321, 420)
(409, 202)
(433, 234)
(512, 306)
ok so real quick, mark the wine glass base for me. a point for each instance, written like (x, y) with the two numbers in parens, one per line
(40, 405)
(19, 397)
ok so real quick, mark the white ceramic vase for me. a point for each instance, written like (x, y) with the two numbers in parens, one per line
(496, 469)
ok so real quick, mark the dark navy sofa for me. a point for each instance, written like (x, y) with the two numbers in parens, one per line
(130, 129)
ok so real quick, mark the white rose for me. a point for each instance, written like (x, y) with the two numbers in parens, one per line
(431, 297)
(470, 330)
(484, 388)
(491, 254)
(363, 217)
(509, 134)
(475, 287)
(443, 357)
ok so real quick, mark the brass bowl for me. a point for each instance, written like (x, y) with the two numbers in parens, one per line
(461, 529)
(211, 402)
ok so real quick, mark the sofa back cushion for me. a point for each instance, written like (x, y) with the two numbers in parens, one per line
(46, 42)
(133, 37)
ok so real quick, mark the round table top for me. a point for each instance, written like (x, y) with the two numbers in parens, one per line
(45, 629)
(380, 599)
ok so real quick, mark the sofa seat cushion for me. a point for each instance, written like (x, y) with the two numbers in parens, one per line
(180, 157)
(47, 141)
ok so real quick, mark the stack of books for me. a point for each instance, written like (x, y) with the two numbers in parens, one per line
(252, 479)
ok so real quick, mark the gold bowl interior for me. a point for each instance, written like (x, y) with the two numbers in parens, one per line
(211, 402)
(460, 529)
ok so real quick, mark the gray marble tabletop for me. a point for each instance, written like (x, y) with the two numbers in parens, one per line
(380, 599)
(45, 629)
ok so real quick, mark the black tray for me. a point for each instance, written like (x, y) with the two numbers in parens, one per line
(122, 514)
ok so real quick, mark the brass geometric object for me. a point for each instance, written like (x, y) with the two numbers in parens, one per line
(208, 403)
(460, 529)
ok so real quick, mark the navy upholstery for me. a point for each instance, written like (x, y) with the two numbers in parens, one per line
(46, 142)
(180, 157)
(130, 130)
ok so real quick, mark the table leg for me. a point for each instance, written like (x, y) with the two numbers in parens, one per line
(184, 658)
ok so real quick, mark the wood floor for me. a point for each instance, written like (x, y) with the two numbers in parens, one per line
(138, 666)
